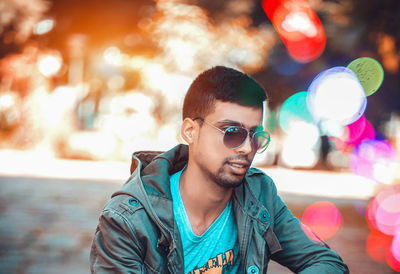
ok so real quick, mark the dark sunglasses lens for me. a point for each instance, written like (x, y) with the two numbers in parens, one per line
(260, 140)
(234, 136)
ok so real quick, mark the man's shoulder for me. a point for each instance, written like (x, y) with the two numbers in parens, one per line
(259, 178)
(261, 186)
(123, 204)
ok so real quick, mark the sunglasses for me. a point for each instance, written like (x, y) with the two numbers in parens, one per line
(235, 136)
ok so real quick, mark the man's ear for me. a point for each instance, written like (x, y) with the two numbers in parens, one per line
(188, 130)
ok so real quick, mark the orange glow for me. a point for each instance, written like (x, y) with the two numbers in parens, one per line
(387, 50)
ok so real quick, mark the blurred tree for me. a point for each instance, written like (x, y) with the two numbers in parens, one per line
(102, 21)
(17, 18)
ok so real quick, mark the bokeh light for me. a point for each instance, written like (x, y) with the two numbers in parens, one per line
(9, 113)
(378, 245)
(371, 213)
(396, 246)
(50, 64)
(336, 97)
(392, 261)
(395, 253)
(383, 212)
(294, 109)
(374, 159)
(301, 145)
(353, 134)
(112, 55)
(298, 26)
(323, 218)
(43, 26)
(74, 90)
(388, 214)
(302, 142)
(369, 72)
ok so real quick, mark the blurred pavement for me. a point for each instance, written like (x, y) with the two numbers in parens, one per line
(49, 214)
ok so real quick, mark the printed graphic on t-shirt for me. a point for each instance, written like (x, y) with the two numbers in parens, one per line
(216, 265)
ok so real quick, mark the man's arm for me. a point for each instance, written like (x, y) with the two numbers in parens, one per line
(300, 254)
(114, 247)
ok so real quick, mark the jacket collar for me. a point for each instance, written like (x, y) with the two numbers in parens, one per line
(153, 166)
(150, 185)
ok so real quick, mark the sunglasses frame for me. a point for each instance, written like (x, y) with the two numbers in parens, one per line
(249, 134)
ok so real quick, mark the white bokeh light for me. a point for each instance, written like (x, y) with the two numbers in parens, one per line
(299, 21)
(49, 64)
(43, 26)
(300, 148)
(336, 98)
(112, 55)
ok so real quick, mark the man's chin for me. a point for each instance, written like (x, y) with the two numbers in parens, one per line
(230, 181)
(226, 177)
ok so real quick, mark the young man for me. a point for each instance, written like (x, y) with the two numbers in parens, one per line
(201, 208)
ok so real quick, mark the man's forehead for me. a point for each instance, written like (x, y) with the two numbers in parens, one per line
(235, 114)
(229, 122)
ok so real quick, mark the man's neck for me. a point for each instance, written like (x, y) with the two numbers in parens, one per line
(204, 200)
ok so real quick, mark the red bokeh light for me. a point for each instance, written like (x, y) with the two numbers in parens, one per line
(378, 245)
(393, 254)
(392, 261)
(298, 26)
(323, 218)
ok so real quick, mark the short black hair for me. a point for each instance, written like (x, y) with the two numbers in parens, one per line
(224, 84)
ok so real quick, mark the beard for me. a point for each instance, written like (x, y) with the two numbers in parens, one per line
(224, 178)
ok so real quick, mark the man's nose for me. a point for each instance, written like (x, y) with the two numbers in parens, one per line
(246, 147)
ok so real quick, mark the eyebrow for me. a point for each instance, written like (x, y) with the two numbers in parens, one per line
(228, 122)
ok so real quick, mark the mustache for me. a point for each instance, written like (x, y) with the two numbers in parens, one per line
(240, 158)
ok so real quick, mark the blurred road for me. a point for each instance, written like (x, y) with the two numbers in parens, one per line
(46, 224)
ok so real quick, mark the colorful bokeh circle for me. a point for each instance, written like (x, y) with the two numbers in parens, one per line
(323, 218)
(298, 26)
(395, 253)
(294, 109)
(336, 97)
(354, 134)
(374, 159)
(383, 212)
(378, 245)
(369, 72)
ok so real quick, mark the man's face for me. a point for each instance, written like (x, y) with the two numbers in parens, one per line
(223, 165)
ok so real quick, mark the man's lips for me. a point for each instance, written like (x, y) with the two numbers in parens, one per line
(238, 167)
(239, 164)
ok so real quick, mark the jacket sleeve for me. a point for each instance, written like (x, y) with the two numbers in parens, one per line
(299, 253)
(113, 241)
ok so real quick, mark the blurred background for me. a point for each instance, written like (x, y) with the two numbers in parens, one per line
(84, 84)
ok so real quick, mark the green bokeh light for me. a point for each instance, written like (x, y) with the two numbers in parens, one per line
(369, 72)
(294, 109)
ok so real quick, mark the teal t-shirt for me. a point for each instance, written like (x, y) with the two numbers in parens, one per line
(217, 249)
